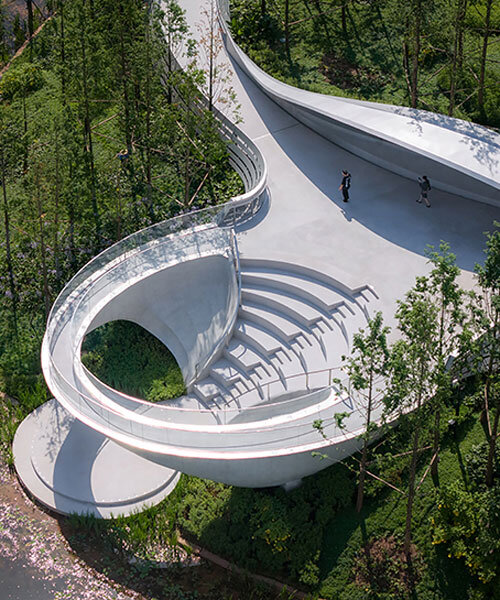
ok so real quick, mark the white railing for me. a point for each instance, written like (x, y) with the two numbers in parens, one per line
(288, 422)
(247, 160)
(308, 395)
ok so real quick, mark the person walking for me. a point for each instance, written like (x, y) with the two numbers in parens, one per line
(345, 185)
(425, 187)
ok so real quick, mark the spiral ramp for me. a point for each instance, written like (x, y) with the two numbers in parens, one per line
(257, 299)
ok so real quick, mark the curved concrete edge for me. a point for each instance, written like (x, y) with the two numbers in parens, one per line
(262, 472)
(168, 451)
(56, 498)
(459, 157)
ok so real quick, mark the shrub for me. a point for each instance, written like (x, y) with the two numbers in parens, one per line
(469, 524)
(281, 531)
(476, 461)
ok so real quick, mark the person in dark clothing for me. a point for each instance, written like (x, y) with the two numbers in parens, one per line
(425, 187)
(345, 185)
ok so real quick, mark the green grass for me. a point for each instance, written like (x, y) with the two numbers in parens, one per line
(128, 358)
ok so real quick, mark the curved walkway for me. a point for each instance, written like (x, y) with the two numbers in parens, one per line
(290, 289)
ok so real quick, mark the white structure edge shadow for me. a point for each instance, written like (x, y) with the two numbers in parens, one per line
(459, 157)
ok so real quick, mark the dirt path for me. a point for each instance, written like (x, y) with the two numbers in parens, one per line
(36, 560)
(24, 46)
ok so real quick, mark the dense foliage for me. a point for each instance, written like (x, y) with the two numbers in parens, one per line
(150, 371)
(99, 136)
(94, 145)
(467, 519)
(268, 530)
(437, 55)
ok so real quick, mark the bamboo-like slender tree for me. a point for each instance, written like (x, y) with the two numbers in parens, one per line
(412, 382)
(368, 368)
(483, 350)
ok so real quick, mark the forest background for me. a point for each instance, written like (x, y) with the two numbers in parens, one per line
(94, 145)
(437, 55)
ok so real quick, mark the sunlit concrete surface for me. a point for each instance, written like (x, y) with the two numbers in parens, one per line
(262, 317)
(73, 469)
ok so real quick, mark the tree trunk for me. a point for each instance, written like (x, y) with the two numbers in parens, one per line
(386, 33)
(89, 150)
(149, 66)
(435, 445)
(71, 218)
(29, 8)
(437, 416)
(211, 60)
(57, 264)
(451, 105)
(343, 17)
(457, 59)
(126, 100)
(416, 53)
(411, 494)
(46, 295)
(63, 52)
(10, 270)
(287, 28)
(482, 69)
(187, 177)
(364, 455)
(406, 67)
(460, 45)
(488, 375)
(25, 131)
(492, 441)
(490, 466)
(362, 477)
(323, 22)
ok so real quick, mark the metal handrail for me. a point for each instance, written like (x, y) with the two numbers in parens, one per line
(215, 410)
(143, 420)
(120, 252)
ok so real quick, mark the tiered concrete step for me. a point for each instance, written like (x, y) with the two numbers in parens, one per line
(283, 328)
(312, 291)
(291, 322)
(211, 393)
(304, 312)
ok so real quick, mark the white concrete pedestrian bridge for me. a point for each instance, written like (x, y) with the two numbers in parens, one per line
(257, 299)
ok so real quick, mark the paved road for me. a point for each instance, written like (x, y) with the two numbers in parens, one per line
(18, 582)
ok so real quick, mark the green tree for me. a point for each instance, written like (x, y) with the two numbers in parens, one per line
(483, 349)
(18, 82)
(217, 72)
(448, 297)
(367, 368)
(175, 30)
(484, 54)
(412, 382)
(7, 142)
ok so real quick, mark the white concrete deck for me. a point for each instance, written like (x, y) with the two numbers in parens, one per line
(71, 468)
(287, 322)
(380, 236)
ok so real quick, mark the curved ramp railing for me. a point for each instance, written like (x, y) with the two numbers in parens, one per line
(275, 426)
(270, 429)
(247, 160)
(459, 157)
